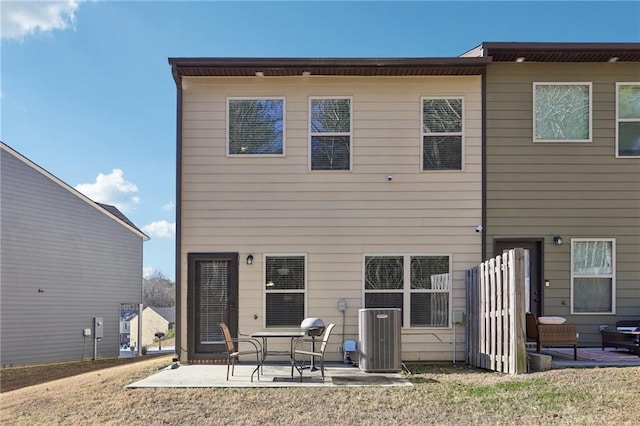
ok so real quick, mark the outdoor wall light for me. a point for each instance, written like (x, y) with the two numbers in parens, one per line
(250, 259)
(557, 240)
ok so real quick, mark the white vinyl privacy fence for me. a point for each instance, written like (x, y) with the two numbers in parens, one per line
(495, 323)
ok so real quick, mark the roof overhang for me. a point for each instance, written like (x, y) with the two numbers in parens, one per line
(557, 52)
(288, 67)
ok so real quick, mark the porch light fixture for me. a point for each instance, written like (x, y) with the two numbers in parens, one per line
(250, 259)
(557, 240)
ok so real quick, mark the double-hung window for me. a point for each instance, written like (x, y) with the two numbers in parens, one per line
(628, 120)
(255, 126)
(593, 276)
(442, 133)
(562, 112)
(285, 282)
(420, 285)
(330, 133)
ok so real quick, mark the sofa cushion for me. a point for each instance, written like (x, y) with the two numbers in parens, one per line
(551, 320)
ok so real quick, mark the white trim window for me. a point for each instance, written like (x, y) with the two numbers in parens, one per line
(285, 278)
(628, 120)
(562, 112)
(442, 133)
(420, 285)
(330, 136)
(593, 277)
(255, 127)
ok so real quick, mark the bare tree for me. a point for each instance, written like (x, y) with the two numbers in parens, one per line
(158, 290)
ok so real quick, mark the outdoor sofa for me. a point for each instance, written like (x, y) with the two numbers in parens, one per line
(625, 336)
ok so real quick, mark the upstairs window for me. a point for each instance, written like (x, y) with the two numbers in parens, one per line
(593, 276)
(419, 285)
(285, 283)
(255, 126)
(562, 112)
(330, 128)
(442, 133)
(628, 120)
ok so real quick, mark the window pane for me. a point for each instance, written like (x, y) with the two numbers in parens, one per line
(384, 273)
(562, 112)
(592, 295)
(285, 272)
(430, 272)
(383, 300)
(629, 101)
(212, 287)
(330, 115)
(285, 309)
(442, 115)
(430, 310)
(442, 153)
(256, 126)
(593, 258)
(629, 139)
(330, 153)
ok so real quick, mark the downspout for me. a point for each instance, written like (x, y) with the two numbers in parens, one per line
(181, 352)
(484, 165)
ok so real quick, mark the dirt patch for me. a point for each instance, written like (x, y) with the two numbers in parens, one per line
(12, 378)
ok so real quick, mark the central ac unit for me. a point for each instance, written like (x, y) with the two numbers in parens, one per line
(380, 340)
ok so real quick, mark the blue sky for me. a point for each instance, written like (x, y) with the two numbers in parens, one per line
(86, 91)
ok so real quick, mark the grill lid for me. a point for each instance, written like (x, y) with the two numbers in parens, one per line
(312, 326)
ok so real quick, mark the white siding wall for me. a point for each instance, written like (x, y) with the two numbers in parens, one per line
(276, 205)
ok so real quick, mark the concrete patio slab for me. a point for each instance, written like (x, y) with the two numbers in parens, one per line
(273, 376)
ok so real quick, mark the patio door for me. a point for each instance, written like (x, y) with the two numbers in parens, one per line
(213, 296)
(534, 248)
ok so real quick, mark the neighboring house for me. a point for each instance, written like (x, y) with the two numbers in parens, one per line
(64, 261)
(306, 182)
(563, 161)
(154, 320)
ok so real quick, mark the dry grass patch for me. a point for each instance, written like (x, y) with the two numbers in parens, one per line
(442, 394)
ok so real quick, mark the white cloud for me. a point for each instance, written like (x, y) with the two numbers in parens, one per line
(111, 189)
(24, 18)
(168, 207)
(160, 229)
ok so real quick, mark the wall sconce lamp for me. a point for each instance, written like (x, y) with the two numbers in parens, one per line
(557, 240)
(250, 259)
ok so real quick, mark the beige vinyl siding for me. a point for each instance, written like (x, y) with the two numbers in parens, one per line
(276, 205)
(576, 190)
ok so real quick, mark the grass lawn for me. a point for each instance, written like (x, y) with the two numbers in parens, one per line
(442, 394)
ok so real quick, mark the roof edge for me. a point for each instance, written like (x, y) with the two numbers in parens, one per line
(73, 191)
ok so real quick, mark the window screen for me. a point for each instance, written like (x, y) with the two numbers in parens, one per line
(255, 126)
(285, 290)
(330, 133)
(442, 135)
